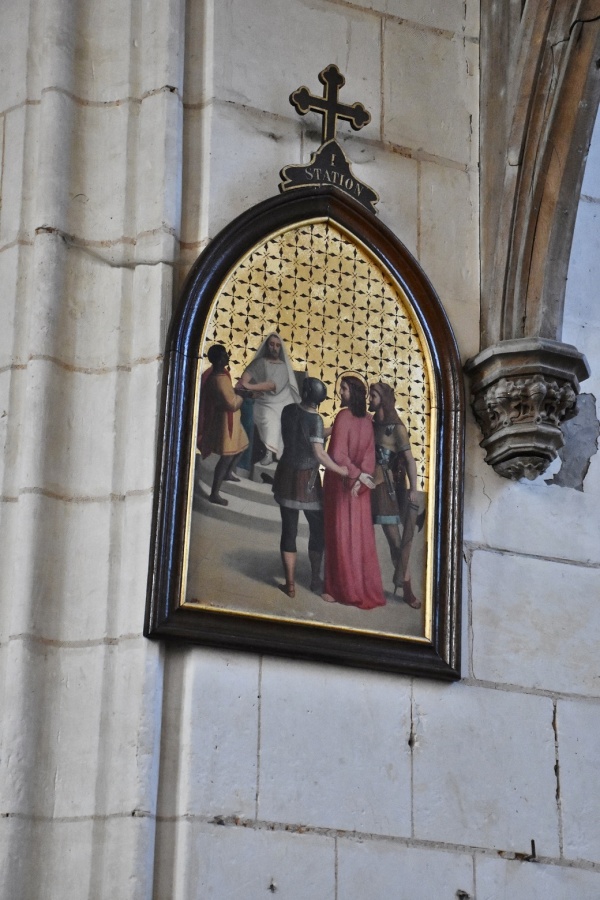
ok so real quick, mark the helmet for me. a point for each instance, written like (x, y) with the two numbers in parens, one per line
(313, 391)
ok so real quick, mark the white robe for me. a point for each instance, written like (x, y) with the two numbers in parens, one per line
(268, 408)
(269, 405)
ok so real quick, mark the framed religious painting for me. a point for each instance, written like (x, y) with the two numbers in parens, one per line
(309, 476)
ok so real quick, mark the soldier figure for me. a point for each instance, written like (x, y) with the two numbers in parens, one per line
(394, 505)
(297, 483)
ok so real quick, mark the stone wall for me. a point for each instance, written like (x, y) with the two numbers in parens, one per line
(130, 135)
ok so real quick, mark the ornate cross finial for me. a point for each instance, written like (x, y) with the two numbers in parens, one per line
(328, 105)
(329, 166)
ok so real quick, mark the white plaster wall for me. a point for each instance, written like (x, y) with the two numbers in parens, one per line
(131, 133)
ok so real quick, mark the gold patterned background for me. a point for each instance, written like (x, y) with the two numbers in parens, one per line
(336, 309)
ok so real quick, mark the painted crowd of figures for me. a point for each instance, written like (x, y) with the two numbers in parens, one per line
(370, 473)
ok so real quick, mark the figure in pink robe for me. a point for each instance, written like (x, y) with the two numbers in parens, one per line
(352, 574)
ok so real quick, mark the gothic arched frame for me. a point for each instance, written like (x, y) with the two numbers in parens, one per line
(437, 653)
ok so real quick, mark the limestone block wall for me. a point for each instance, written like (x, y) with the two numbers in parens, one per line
(131, 133)
(91, 123)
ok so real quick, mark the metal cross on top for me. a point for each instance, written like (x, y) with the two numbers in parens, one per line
(328, 105)
(329, 166)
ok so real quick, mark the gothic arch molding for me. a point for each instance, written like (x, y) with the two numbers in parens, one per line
(539, 98)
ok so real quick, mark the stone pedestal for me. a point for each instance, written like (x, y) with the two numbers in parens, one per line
(521, 392)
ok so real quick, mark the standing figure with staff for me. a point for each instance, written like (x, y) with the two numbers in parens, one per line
(394, 505)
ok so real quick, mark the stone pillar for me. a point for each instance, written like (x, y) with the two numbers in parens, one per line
(91, 185)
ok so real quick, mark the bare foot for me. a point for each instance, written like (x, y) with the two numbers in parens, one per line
(328, 598)
(409, 597)
(289, 588)
(220, 501)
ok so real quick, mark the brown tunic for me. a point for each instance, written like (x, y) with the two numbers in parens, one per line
(223, 432)
(392, 438)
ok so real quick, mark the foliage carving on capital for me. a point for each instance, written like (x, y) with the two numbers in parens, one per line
(534, 399)
(522, 392)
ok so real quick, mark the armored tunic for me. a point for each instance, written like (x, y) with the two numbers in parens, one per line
(388, 500)
(297, 483)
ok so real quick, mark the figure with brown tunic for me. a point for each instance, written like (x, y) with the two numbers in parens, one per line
(394, 504)
(220, 424)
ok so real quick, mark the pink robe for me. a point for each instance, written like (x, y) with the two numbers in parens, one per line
(352, 574)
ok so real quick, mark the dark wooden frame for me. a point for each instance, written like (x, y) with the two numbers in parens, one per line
(164, 616)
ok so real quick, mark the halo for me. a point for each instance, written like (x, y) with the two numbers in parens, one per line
(341, 377)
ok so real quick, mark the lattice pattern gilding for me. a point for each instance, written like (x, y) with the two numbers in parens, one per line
(337, 310)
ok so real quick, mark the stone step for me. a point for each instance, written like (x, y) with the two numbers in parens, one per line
(247, 500)
(257, 491)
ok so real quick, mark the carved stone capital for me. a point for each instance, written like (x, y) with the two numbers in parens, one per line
(521, 392)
